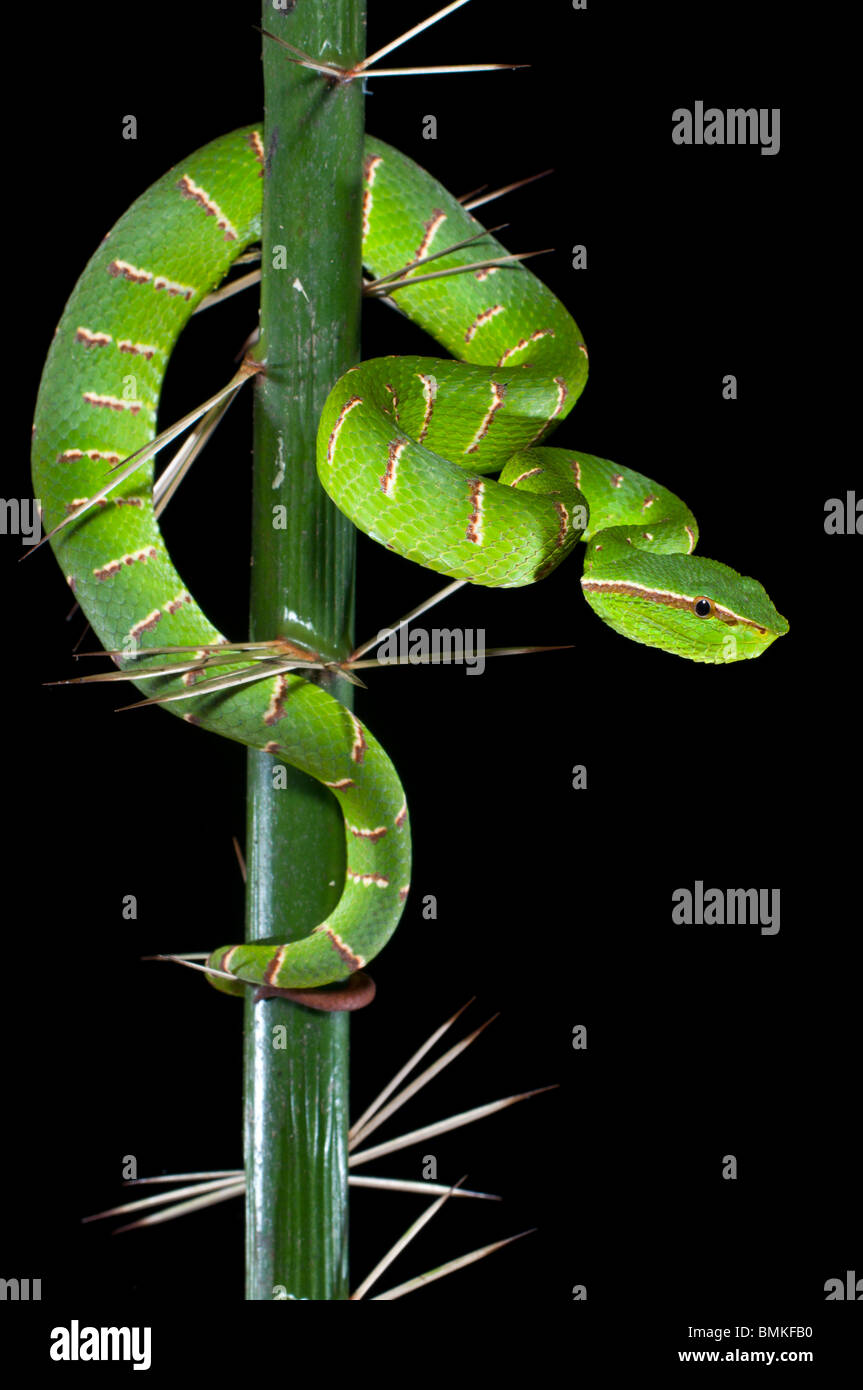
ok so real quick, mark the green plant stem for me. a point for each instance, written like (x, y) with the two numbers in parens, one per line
(302, 588)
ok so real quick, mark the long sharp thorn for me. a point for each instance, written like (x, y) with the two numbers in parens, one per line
(450, 1267)
(241, 859)
(396, 1249)
(473, 194)
(190, 965)
(161, 1198)
(264, 670)
(121, 471)
(428, 71)
(184, 1177)
(169, 480)
(455, 659)
(469, 202)
(499, 262)
(242, 282)
(304, 59)
(417, 1084)
(406, 1070)
(434, 256)
(183, 1208)
(414, 613)
(418, 1188)
(467, 1117)
(408, 34)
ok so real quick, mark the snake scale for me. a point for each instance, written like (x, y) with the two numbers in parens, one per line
(405, 449)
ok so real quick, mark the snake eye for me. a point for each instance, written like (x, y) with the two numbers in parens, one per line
(703, 607)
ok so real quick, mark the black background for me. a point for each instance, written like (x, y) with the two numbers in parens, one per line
(554, 905)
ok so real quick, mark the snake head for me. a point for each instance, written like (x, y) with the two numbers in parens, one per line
(684, 604)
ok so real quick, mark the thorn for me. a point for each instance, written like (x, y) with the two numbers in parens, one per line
(401, 1243)
(160, 1198)
(243, 282)
(443, 1126)
(430, 71)
(502, 262)
(121, 471)
(469, 202)
(184, 960)
(359, 1134)
(171, 477)
(409, 34)
(450, 1268)
(414, 613)
(381, 282)
(240, 857)
(406, 1070)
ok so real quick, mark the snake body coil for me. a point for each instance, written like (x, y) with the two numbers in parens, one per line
(405, 449)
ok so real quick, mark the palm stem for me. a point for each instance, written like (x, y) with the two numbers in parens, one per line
(302, 588)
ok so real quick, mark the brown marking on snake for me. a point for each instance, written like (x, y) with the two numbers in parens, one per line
(525, 342)
(403, 892)
(402, 816)
(173, 287)
(358, 748)
(388, 479)
(371, 835)
(481, 320)
(474, 530)
(254, 140)
(174, 604)
(341, 785)
(691, 536)
(276, 707)
(497, 394)
(146, 624)
(648, 501)
(343, 414)
(575, 465)
(227, 956)
(484, 274)
(72, 581)
(582, 348)
(646, 536)
(139, 349)
(195, 194)
(134, 273)
(274, 966)
(370, 168)
(347, 955)
(97, 455)
(616, 479)
(111, 402)
(667, 598)
(564, 523)
(430, 231)
(272, 746)
(86, 335)
(134, 556)
(531, 473)
(191, 719)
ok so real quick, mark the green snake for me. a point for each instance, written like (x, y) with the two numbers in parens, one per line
(405, 449)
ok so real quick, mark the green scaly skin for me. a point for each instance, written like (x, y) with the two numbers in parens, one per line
(405, 447)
